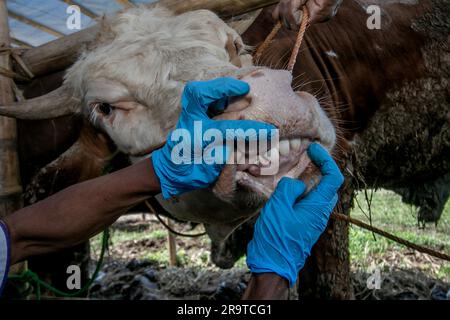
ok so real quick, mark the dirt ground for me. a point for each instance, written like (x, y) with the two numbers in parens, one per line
(136, 268)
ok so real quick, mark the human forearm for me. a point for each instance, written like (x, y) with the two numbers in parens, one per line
(266, 286)
(79, 212)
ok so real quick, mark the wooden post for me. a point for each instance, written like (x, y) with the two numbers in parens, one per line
(10, 187)
(172, 245)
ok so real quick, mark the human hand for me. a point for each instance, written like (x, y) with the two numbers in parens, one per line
(198, 171)
(287, 227)
(288, 11)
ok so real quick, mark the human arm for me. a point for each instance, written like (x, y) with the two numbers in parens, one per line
(80, 211)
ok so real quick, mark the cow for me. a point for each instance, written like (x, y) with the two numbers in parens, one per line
(358, 87)
(129, 88)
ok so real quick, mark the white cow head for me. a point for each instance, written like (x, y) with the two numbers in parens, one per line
(130, 84)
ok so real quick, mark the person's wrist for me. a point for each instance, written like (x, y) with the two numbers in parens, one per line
(266, 286)
(281, 266)
(157, 160)
(265, 257)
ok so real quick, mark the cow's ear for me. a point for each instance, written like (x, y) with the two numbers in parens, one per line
(233, 51)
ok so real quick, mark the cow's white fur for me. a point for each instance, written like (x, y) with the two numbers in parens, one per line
(146, 56)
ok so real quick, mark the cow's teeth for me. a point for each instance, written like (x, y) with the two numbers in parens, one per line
(240, 157)
(295, 144)
(284, 147)
(264, 160)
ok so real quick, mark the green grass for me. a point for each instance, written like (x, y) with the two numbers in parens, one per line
(241, 263)
(391, 214)
(157, 234)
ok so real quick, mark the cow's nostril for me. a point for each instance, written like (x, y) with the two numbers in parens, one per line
(257, 74)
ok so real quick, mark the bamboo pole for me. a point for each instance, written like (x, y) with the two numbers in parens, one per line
(125, 3)
(21, 43)
(172, 245)
(10, 187)
(59, 54)
(224, 8)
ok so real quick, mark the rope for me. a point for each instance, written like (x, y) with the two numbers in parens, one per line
(431, 252)
(298, 41)
(267, 42)
(32, 278)
(152, 210)
(11, 74)
(15, 55)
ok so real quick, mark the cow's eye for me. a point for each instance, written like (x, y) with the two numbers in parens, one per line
(105, 108)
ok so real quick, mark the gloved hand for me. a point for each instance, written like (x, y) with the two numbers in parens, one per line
(177, 178)
(288, 11)
(287, 228)
(4, 255)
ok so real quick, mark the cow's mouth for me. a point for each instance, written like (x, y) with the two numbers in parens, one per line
(292, 162)
(300, 121)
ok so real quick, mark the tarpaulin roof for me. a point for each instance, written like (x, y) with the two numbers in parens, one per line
(35, 22)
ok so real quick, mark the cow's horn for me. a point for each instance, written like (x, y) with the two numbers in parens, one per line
(57, 103)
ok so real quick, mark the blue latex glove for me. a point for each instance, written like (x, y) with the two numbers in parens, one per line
(287, 229)
(4, 255)
(197, 98)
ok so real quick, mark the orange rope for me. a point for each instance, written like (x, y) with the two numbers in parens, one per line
(267, 41)
(298, 42)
